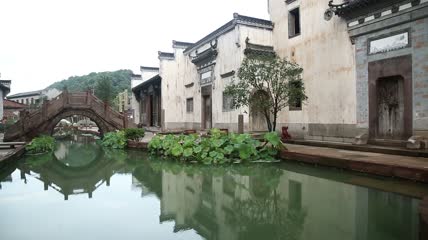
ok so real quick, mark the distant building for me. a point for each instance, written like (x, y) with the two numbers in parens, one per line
(11, 109)
(146, 98)
(4, 90)
(123, 102)
(34, 97)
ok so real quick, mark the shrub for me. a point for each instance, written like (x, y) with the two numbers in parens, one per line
(114, 140)
(134, 133)
(217, 148)
(41, 144)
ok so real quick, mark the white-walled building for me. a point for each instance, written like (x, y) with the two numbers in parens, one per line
(194, 76)
(34, 97)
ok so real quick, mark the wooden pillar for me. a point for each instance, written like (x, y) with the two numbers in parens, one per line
(240, 123)
(163, 120)
(64, 97)
(44, 110)
(125, 120)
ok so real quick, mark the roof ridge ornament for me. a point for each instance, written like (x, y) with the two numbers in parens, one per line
(334, 9)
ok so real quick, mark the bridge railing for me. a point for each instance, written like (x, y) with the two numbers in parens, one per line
(49, 109)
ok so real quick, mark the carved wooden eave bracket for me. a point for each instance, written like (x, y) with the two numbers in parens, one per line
(258, 49)
(206, 57)
(355, 9)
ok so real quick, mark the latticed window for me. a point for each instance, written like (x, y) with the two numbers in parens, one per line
(228, 104)
(189, 105)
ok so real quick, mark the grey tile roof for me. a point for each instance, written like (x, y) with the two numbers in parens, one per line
(166, 55)
(146, 83)
(355, 8)
(259, 49)
(237, 19)
(179, 44)
(25, 94)
(149, 68)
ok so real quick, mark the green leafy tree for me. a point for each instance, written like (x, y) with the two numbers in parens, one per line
(121, 79)
(267, 84)
(104, 89)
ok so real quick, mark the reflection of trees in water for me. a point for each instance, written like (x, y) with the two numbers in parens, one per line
(253, 206)
(268, 218)
(266, 213)
(77, 154)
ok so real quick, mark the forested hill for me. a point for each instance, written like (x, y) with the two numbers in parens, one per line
(121, 80)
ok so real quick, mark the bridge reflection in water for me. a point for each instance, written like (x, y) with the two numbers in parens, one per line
(77, 167)
(238, 202)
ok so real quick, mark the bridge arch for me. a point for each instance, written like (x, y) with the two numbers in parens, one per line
(102, 126)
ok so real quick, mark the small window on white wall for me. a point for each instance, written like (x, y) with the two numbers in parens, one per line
(293, 23)
(189, 105)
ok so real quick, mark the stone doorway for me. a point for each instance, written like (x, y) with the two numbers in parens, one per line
(390, 99)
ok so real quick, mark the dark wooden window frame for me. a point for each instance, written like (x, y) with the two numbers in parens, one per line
(189, 105)
(291, 12)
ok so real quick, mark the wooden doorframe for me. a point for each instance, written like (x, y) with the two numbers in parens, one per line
(206, 92)
(398, 66)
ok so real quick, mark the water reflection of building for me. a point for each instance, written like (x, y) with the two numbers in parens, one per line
(282, 205)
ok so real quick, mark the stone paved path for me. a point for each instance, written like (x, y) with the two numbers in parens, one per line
(415, 168)
(396, 160)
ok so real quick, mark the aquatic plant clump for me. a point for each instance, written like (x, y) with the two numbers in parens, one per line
(42, 144)
(217, 147)
(134, 134)
(115, 140)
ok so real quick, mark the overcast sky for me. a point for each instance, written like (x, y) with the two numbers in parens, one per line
(45, 41)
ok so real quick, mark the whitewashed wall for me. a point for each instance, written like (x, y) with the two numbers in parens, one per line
(178, 73)
(325, 52)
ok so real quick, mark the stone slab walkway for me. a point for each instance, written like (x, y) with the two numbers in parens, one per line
(413, 168)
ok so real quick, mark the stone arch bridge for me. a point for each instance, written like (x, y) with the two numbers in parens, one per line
(44, 119)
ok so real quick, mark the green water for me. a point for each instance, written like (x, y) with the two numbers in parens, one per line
(84, 192)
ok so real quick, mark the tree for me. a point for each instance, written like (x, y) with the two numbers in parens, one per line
(104, 89)
(267, 84)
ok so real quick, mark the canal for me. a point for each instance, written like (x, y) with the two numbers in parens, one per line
(83, 191)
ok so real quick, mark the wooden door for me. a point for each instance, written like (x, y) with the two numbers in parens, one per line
(258, 121)
(390, 108)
